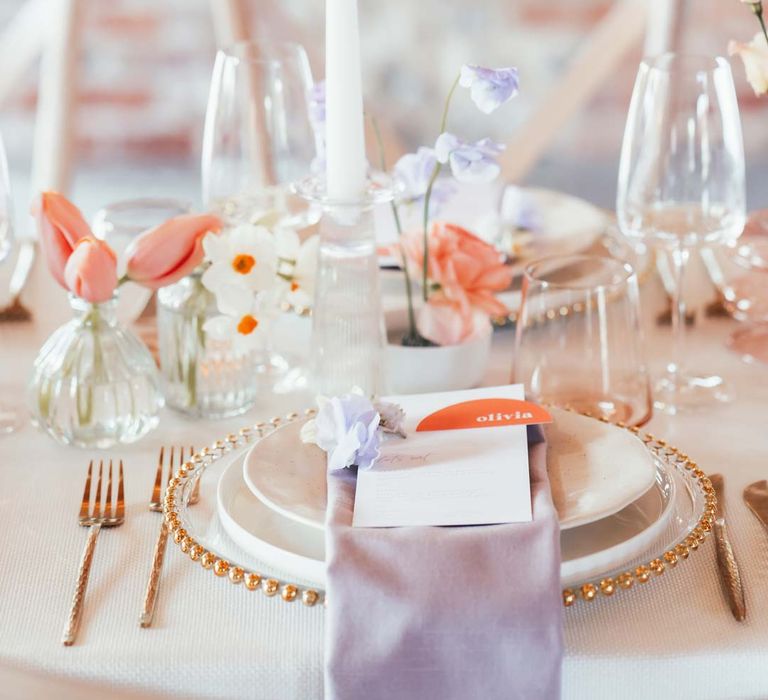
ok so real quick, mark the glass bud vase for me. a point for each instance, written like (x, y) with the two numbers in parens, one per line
(202, 377)
(94, 383)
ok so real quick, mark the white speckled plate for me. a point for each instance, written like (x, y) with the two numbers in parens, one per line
(596, 469)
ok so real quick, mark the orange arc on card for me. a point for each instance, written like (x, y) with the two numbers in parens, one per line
(484, 413)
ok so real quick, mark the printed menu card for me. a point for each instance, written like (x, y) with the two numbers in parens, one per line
(464, 462)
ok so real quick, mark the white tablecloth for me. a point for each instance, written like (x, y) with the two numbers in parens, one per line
(673, 638)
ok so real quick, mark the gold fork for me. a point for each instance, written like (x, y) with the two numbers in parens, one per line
(94, 520)
(156, 506)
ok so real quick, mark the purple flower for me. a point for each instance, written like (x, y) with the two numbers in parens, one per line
(317, 121)
(489, 88)
(346, 428)
(518, 209)
(470, 162)
(414, 171)
(317, 103)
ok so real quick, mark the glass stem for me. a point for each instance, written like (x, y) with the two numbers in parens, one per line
(679, 260)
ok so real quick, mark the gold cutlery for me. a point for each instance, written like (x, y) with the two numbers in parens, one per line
(756, 498)
(730, 577)
(156, 506)
(94, 520)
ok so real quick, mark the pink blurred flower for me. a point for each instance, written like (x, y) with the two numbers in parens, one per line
(170, 251)
(754, 55)
(462, 269)
(60, 226)
(444, 323)
(91, 271)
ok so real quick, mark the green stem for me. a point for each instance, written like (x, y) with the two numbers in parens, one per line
(398, 225)
(757, 9)
(762, 24)
(428, 194)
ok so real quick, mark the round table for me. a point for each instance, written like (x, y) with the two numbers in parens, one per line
(674, 637)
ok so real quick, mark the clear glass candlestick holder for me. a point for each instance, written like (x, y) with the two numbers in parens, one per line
(348, 335)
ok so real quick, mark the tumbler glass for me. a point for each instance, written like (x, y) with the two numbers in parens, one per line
(578, 340)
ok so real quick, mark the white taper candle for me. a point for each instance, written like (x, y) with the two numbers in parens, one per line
(345, 141)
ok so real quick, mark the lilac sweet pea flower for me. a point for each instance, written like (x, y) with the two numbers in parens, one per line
(470, 162)
(317, 121)
(489, 88)
(414, 171)
(346, 428)
(519, 210)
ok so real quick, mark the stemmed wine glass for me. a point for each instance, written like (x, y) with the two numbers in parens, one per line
(258, 139)
(681, 185)
(258, 135)
(11, 414)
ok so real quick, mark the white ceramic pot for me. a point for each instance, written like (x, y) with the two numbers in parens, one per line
(441, 368)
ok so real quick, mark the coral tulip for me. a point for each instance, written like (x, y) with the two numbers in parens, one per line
(60, 226)
(91, 271)
(166, 253)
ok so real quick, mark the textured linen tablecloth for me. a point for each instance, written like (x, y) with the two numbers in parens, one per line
(673, 638)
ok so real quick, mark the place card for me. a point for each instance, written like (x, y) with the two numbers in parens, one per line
(464, 462)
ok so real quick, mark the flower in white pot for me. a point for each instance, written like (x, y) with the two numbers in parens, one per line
(459, 273)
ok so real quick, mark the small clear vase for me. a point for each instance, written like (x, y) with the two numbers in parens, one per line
(94, 383)
(201, 377)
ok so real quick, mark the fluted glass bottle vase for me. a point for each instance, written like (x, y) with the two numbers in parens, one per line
(94, 383)
(202, 377)
(347, 321)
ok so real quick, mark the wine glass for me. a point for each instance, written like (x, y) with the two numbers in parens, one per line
(259, 135)
(740, 273)
(11, 413)
(681, 185)
(258, 139)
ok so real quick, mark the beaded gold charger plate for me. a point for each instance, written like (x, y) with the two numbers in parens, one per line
(199, 532)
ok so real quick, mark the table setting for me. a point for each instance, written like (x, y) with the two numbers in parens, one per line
(359, 428)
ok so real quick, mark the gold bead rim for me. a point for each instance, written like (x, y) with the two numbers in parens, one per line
(179, 488)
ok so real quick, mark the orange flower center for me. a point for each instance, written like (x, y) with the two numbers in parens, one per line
(247, 325)
(243, 263)
(294, 285)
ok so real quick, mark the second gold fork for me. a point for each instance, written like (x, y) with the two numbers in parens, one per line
(156, 506)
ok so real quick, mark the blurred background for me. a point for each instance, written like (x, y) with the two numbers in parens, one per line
(144, 71)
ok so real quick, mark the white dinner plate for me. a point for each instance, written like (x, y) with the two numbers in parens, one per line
(588, 481)
(298, 550)
(567, 224)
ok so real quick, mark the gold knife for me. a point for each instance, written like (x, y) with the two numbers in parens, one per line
(728, 568)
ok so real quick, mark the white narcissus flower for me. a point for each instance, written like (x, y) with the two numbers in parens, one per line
(300, 261)
(243, 320)
(754, 55)
(244, 256)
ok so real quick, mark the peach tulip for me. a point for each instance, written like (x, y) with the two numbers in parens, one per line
(170, 251)
(91, 271)
(467, 270)
(60, 226)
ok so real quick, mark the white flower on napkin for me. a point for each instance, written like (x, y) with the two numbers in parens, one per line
(348, 428)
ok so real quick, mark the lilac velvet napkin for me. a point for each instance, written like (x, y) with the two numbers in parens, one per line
(437, 613)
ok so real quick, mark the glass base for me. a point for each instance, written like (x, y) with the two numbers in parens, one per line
(751, 343)
(682, 392)
(11, 418)
(273, 364)
(294, 380)
(617, 409)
